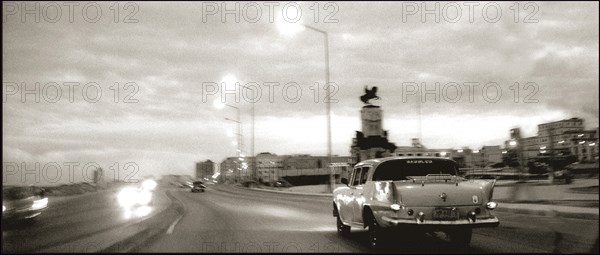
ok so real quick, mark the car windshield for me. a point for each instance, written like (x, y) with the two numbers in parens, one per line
(14, 193)
(404, 169)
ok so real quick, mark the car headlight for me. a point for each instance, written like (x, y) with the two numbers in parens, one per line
(149, 184)
(3, 208)
(127, 197)
(39, 204)
(395, 207)
(491, 205)
(144, 197)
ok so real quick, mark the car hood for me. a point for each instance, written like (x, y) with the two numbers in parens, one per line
(461, 193)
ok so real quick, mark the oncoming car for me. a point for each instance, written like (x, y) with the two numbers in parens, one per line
(198, 186)
(141, 195)
(22, 203)
(413, 194)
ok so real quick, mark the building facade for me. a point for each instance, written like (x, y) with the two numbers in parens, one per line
(558, 139)
(205, 169)
(268, 166)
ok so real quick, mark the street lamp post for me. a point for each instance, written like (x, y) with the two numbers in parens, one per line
(327, 101)
(517, 145)
(218, 104)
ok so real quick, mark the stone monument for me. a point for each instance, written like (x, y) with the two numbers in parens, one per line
(372, 141)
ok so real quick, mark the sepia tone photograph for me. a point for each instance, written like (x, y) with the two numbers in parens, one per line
(428, 127)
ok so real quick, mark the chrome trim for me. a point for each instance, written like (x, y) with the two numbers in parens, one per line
(489, 221)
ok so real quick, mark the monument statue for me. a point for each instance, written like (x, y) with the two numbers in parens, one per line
(369, 94)
(372, 141)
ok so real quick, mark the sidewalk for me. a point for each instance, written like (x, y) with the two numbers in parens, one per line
(537, 197)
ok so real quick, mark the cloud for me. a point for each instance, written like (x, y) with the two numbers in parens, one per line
(161, 62)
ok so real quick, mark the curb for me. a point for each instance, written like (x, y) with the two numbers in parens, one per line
(149, 228)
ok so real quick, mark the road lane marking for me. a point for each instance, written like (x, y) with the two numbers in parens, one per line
(170, 230)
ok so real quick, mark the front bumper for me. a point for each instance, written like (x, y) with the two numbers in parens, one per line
(478, 223)
(20, 214)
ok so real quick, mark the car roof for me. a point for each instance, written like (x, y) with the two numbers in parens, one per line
(375, 162)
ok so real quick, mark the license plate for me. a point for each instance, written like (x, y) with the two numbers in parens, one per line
(445, 214)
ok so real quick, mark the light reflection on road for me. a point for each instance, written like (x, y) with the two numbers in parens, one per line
(136, 212)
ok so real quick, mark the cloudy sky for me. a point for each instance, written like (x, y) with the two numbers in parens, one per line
(155, 65)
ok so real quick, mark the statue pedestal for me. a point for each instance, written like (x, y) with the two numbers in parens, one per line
(371, 117)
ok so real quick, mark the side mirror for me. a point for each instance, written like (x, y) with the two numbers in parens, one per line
(344, 181)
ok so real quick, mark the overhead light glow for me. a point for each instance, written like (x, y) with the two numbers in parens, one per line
(288, 28)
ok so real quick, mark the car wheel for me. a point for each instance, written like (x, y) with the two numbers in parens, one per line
(342, 229)
(202, 190)
(30, 221)
(375, 235)
(460, 237)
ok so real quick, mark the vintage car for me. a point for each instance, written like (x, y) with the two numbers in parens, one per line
(198, 186)
(413, 194)
(22, 203)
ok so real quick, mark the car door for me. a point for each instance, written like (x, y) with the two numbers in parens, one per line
(346, 196)
(359, 196)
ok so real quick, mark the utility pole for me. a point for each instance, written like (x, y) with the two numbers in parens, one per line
(551, 153)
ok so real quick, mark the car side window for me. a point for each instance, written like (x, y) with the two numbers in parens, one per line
(364, 173)
(356, 176)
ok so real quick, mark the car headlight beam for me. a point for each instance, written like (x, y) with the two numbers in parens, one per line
(144, 197)
(39, 204)
(127, 197)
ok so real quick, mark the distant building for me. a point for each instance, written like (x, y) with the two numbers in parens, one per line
(491, 154)
(229, 168)
(307, 165)
(268, 166)
(561, 138)
(205, 169)
(418, 149)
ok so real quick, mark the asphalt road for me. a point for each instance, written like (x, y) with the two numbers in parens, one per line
(67, 221)
(234, 219)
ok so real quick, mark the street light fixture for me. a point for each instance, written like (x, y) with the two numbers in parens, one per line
(293, 28)
(516, 145)
(220, 105)
(232, 80)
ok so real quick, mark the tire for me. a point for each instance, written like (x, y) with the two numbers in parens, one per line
(342, 229)
(375, 234)
(29, 221)
(202, 190)
(460, 237)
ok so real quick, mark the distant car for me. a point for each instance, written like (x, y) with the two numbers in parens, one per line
(413, 194)
(198, 186)
(564, 175)
(22, 203)
(282, 184)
